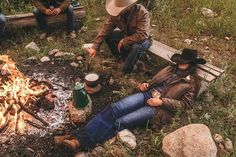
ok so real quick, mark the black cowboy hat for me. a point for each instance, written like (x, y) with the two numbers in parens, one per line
(187, 56)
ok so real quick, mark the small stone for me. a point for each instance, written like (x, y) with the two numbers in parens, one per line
(153, 25)
(98, 19)
(188, 41)
(79, 115)
(227, 38)
(33, 58)
(228, 145)
(87, 46)
(32, 46)
(59, 54)
(69, 54)
(127, 138)
(45, 59)
(79, 58)
(73, 64)
(53, 52)
(218, 138)
(207, 48)
(207, 12)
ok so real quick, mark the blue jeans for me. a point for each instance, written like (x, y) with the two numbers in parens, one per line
(42, 22)
(130, 54)
(127, 113)
(2, 25)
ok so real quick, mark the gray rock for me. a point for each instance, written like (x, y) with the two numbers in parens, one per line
(79, 115)
(128, 138)
(59, 54)
(218, 138)
(45, 59)
(33, 58)
(228, 145)
(74, 64)
(53, 52)
(32, 46)
(207, 12)
(193, 140)
(188, 41)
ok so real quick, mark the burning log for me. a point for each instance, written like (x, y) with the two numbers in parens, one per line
(18, 93)
(4, 126)
(35, 125)
(33, 114)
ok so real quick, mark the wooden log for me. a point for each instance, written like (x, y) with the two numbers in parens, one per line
(33, 114)
(28, 20)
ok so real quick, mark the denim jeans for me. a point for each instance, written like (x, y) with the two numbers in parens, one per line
(127, 113)
(130, 54)
(42, 23)
(2, 25)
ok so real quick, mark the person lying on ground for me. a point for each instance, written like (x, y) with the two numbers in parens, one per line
(2, 24)
(132, 39)
(54, 8)
(172, 89)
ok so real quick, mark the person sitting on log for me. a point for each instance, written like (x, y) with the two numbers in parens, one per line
(2, 24)
(172, 89)
(54, 8)
(133, 37)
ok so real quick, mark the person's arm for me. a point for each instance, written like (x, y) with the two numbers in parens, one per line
(184, 103)
(39, 6)
(65, 5)
(143, 29)
(107, 29)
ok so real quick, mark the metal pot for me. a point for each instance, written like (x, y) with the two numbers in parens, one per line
(92, 79)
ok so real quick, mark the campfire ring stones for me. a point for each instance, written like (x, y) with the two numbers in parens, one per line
(79, 115)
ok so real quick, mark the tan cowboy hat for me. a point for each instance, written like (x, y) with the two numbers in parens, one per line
(115, 7)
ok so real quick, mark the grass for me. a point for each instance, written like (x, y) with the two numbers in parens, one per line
(176, 20)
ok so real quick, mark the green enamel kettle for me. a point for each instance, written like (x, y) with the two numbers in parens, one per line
(80, 97)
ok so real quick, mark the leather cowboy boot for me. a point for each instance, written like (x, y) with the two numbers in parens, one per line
(59, 139)
(72, 144)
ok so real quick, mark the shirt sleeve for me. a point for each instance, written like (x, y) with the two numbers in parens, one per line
(107, 28)
(184, 103)
(143, 29)
(39, 6)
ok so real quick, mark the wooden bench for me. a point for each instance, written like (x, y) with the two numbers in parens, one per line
(28, 20)
(207, 72)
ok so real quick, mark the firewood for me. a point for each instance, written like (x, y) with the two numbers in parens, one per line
(33, 114)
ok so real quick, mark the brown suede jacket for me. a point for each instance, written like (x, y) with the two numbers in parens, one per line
(135, 27)
(42, 5)
(180, 93)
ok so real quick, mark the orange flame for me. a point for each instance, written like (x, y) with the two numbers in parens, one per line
(15, 88)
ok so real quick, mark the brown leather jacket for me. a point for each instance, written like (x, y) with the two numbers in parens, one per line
(178, 95)
(42, 5)
(136, 27)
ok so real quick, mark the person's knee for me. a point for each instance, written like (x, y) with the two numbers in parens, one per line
(36, 12)
(70, 10)
(2, 19)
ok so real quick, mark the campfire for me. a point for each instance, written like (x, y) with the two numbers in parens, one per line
(18, 94)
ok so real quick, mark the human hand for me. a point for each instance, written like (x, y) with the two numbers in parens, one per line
(48, 12)
(92, 52)
(56, 11)
(120, 45)
(144, 86)
(154, 102)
